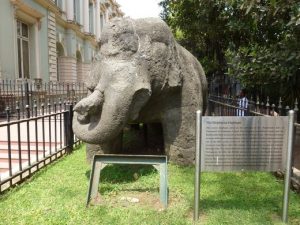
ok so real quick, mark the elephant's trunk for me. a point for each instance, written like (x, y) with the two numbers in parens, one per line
(101, 120)
(89, 106)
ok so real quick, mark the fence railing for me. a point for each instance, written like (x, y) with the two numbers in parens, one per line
(19, 95)
(227, 106)
(28, 144)
(222, 106)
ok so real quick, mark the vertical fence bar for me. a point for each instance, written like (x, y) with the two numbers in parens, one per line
(280, 108)
(273, 111)
(287, 109)
(1, 93)
(49, 118)
(296, 110)
(48, 94)
(232, 109)
(268, 106)
(68, 91)
(60, 122)
(28, 135)
(7, 94)
(250, 106)
(66, 119)
(63, 89)
(27, 98)
(9, 143)
(30, 97)
(74, 103)
(55, 129)
(246, 107)
(22, 100)
(36, 131)
(69, 135)
(222, 107)
(10, 95)
(13, 95)
(43, 130)
(1, 112)
(236, 104)
(197, 165)
(257, 105)
(262, 108)
(52, 96)
(19, 136)
(56, 90)
(287, 178)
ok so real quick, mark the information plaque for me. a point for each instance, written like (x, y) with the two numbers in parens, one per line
(253, 143)
(244, 144)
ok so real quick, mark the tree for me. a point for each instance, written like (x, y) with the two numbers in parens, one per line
(253, 41)
(271, 61)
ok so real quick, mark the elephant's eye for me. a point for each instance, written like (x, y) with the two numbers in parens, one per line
(91, 90)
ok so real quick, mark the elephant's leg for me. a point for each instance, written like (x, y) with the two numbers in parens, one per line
(179, 134)
(112, 147)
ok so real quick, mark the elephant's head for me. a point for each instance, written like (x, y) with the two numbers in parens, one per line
(136, 58)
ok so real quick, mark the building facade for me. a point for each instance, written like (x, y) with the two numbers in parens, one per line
(51, 40)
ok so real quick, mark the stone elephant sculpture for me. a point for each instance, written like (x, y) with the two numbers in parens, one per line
(141, 75)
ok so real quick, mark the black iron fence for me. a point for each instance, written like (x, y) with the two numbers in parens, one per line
(224, 106)
(19, 95)
(28, 144)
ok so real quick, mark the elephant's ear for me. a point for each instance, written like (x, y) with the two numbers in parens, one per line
(93, 77)
(139, 99)
(174, 75)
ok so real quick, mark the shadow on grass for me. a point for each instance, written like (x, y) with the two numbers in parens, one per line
(123, 173)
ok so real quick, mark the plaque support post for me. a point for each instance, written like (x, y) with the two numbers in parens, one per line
(287, 177)
(197, 165)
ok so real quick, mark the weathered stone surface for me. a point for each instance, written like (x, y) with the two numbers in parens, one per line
(142, 75)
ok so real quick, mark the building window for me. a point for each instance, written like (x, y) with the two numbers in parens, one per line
(23, 49)
(91, 18)
(59, 3)
(77, 11)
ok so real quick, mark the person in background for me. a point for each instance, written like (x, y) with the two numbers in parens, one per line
(243, 103)
(274, 113)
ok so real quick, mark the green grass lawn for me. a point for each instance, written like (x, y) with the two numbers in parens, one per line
(57, 195)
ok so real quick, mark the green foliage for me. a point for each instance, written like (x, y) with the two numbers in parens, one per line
(254, 41)
(274, 69)
(201, 24)
(57, 195)
(271, 60)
